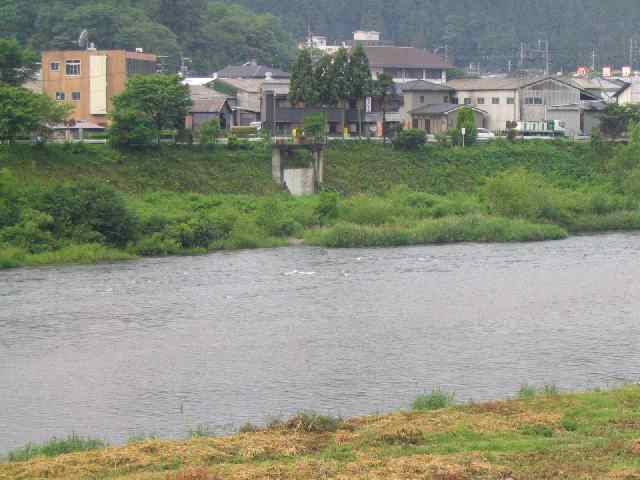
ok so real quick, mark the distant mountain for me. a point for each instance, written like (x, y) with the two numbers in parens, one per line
(488, 32)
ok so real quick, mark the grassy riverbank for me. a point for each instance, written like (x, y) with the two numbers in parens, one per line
(86, 204)
(543, 435)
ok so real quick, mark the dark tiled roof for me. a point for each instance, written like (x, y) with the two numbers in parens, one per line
(424, 86)
(404, 57)
(251, 70)
(206, 100)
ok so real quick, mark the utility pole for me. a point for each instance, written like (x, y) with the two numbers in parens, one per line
(546, 57)
(522, 54)
(631, 45)
(446, 53)
(593, 60)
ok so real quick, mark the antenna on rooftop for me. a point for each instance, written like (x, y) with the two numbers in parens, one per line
(83, 39)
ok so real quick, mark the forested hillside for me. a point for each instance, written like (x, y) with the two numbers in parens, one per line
(488, 32)
(215, 33)
(212, 34)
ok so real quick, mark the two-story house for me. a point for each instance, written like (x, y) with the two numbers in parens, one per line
(406, 64)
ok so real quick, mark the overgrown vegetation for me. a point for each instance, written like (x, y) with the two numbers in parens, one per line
(585, 435)
(78, 203)
(55, 447)
(435, 400)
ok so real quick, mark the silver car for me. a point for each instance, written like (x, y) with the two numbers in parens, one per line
(485, 135)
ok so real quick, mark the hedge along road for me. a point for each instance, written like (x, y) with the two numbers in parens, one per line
(160, 346)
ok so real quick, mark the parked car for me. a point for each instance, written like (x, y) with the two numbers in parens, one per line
(485, 135)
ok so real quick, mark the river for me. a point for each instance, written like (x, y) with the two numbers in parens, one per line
(161, 346)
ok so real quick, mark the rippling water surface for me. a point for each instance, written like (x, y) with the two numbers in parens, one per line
(163, 345)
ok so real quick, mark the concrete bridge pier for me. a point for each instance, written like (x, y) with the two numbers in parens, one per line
(299, 180)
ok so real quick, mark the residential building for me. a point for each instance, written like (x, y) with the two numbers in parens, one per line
(246, 95)
(499, 97)
(89, 79)
(509, 100)
(208, 104)
(630, 92)
(407, 64)
(280, 117)
(428, 106)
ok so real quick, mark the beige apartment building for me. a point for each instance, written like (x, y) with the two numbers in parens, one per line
(89, 79)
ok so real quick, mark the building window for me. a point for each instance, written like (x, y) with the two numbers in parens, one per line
(495, 101)
(446, 99)
(414, 123)
(140, 67)
(60, 96)
(467, 101)
(75, 96)
(454, 100)
(72, 68)
(480, 100)
(421, 98)
(533, 101)
(55, 66)
(511, 101)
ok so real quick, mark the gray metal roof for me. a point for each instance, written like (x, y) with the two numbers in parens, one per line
(424, 86)
(251, 70)
(404, 57)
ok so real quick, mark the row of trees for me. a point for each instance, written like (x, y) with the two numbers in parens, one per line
(336, 81)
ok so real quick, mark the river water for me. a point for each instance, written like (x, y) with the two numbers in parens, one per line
(160, 346)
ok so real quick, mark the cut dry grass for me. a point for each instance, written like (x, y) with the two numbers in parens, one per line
(586, 436)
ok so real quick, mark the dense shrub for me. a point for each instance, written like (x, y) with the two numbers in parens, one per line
(202, 230)
(311, 422)
(32, 233)
(410, 139)
(327, 209)
(274, 218)
(368, 210)
(89, 205)
(9, 194)
(521, 194)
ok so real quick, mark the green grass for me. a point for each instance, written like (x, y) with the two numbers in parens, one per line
(475, 228)
(435, 400)
(55, 447)
(89, 203)
(169, 168)
(81, 254)
(528, 392)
